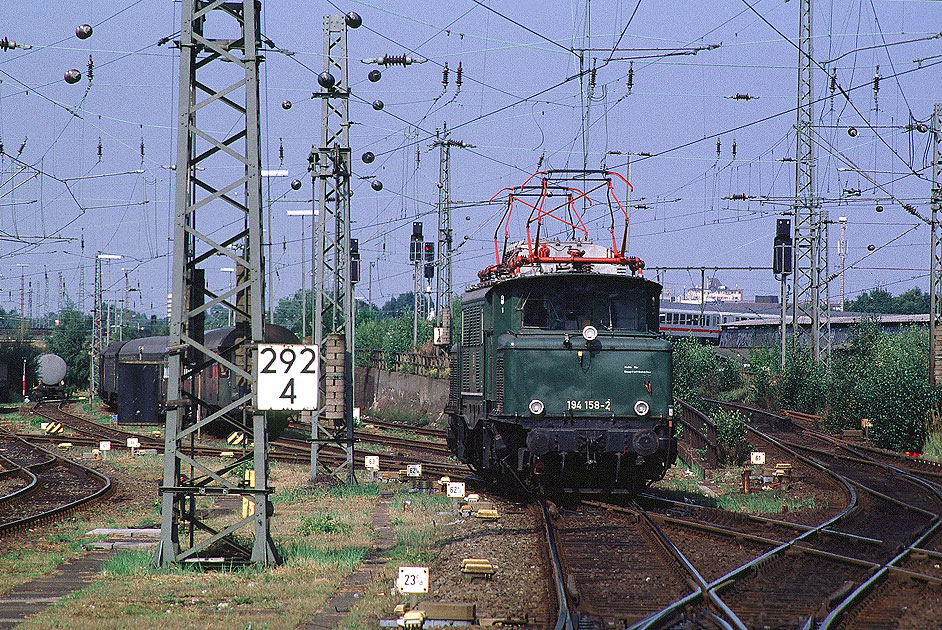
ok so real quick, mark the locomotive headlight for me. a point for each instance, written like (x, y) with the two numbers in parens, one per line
(641, 408)
(536, 407)
(590, 333)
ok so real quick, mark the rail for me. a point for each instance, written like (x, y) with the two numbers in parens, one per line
(409, 362)
(697, 443)
(58, 511)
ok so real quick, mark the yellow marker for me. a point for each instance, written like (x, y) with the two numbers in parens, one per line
(248, 504)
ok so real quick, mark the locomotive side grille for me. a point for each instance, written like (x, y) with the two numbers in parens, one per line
(472, 319)
(499, 377)
(472, 341)
(471, 369)
(453, 370)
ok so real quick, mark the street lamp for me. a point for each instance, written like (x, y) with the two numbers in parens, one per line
(309, 212)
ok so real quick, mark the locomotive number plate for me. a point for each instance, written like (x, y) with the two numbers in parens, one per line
(589, 405)
(287, 376)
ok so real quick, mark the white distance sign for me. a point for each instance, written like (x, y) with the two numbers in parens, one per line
(414, 470)
(371, 462)
(287, 376)
(412, 580)
(455, 489)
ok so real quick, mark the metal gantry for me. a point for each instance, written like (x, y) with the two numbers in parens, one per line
(810, 293)
(935, 241)
(218, 180)
(330, 166)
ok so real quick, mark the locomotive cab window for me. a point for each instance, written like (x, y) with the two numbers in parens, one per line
(547, 309)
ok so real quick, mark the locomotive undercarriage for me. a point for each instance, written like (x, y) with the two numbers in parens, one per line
(564, 459)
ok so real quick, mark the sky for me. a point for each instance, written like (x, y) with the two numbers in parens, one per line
(522, 103)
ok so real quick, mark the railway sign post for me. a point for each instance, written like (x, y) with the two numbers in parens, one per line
(371, 463)
(412, 580)
(287, 377)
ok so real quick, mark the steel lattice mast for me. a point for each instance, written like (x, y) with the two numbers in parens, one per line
(443, 279)
(218, 179)
(330, 165)
(810, 293)
(935, 241)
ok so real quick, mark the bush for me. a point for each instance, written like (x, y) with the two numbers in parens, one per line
(730, 436)
(700, 373)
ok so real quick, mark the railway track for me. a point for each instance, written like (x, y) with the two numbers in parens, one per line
(882, 562)
(875, 561)
(49, 486)
(429, 454)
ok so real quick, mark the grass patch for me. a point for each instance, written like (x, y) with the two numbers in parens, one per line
(323, 523)
(932, 450)
(128, 562)
(346, 558)
(769, 502)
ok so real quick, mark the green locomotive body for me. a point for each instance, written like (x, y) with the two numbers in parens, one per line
(560, 376)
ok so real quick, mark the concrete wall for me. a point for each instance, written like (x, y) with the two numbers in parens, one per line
(397, 391)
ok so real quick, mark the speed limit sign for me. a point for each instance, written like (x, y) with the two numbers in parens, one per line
(287, 376)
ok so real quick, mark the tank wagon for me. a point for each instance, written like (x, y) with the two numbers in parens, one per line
(50, 371)
(559, 375)
(134, 376)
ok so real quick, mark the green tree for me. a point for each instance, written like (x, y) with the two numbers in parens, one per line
(288, 312)
(70, 339)
(881, 301)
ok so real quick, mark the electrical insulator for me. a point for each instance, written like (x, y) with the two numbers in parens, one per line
(429, 252)
(9, 44)
(395, 60)
(717, 147)
(99, 147)
(286, 105)
(142, 149)
(734, 148)
(374, 76)
(458, 77)
(445, 77)
(876, 81)
(592, 77)
(631, 76)
(281, 149)
(72, 76)
(922, 127)
(833, 81)
(83, 31)
(91, 69)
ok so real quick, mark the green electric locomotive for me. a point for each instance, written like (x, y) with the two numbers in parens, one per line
(559, 376)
